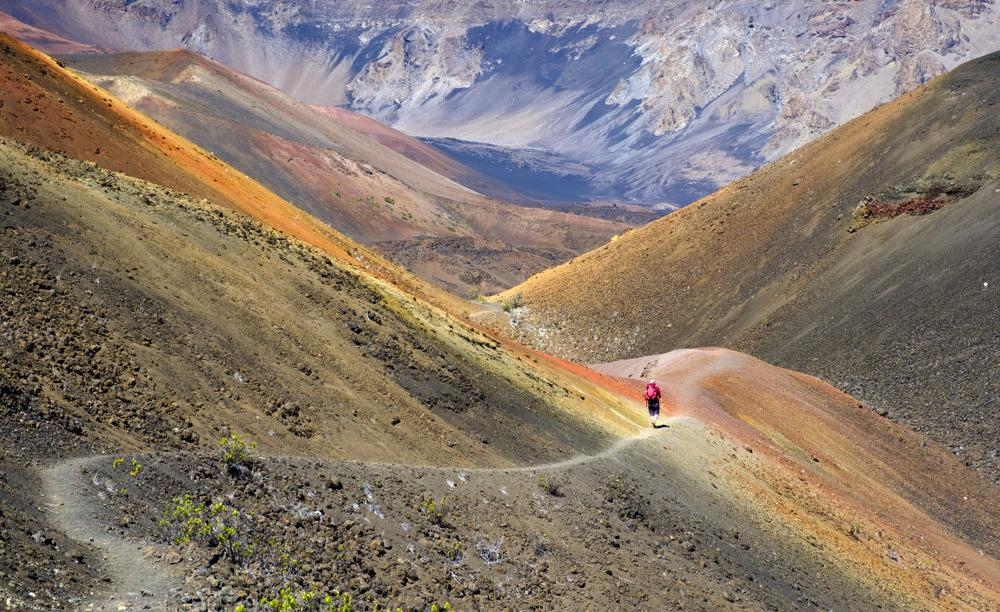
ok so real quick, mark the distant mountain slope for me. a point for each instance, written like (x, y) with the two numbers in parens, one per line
(795, 265)
(317, 160)
(45, 105)
(656, 102)
(38, 38)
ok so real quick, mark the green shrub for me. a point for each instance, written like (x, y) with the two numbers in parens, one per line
(308, 601)
(235, 453)
(437, 510)
(186, 520)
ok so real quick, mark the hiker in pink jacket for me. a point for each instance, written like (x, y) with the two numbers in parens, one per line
(653, 396)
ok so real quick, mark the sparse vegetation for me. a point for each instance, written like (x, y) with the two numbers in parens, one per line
(308, 601)
(453, 552)
(218, 525)
(490, 551)
(923, 196)
(135, 469)
(514, 301)
(237, 454)
(287, 600)
(550, 486)
(437, 510)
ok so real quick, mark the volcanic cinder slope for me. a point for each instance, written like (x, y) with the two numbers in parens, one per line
(45, 105)
(656, 102)
(402, 457)
(868, 258)
(467, 243)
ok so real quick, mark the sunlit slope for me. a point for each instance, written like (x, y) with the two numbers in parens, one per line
(900, 312)
(878, 499)
(344, 177)
(210, 322)
(48, 106)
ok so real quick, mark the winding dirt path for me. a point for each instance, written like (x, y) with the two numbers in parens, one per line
(137, 580)
(614, 449)
(140, 582)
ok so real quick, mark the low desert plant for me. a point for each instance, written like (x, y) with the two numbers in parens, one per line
(489, 551)
(437, 510)
(453, 553)
(219, 525)
(308, 601)
(549, 486)
(287, 600)
(236, 454)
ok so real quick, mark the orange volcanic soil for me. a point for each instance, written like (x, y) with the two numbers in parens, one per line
(846, 457)
(45, 105)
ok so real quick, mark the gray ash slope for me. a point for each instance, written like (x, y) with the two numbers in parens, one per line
(658, 103)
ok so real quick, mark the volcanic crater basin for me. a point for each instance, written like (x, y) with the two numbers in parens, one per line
(647, 101)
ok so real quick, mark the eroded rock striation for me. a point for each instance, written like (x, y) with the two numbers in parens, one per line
(655, 102)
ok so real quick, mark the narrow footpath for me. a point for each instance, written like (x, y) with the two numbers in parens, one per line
(138, 580)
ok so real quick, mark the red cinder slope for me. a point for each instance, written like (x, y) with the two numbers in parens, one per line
(853, 462)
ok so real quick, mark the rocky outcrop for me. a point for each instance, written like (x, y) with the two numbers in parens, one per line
(651, 102)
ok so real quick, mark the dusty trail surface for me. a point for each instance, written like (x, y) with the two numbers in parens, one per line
(137, 580)
(138, 576)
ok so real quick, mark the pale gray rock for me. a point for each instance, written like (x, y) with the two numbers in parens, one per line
(655, 102)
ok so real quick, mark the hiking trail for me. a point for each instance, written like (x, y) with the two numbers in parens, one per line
(138, 581)
(613, 449)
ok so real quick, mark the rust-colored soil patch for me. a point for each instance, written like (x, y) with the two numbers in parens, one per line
(867, 487)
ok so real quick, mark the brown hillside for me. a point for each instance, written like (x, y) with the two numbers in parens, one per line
(868, 258)
(45, 105)
(319, 161)
(214, 322)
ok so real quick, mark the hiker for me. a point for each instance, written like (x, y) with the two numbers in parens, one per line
(653, 396)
